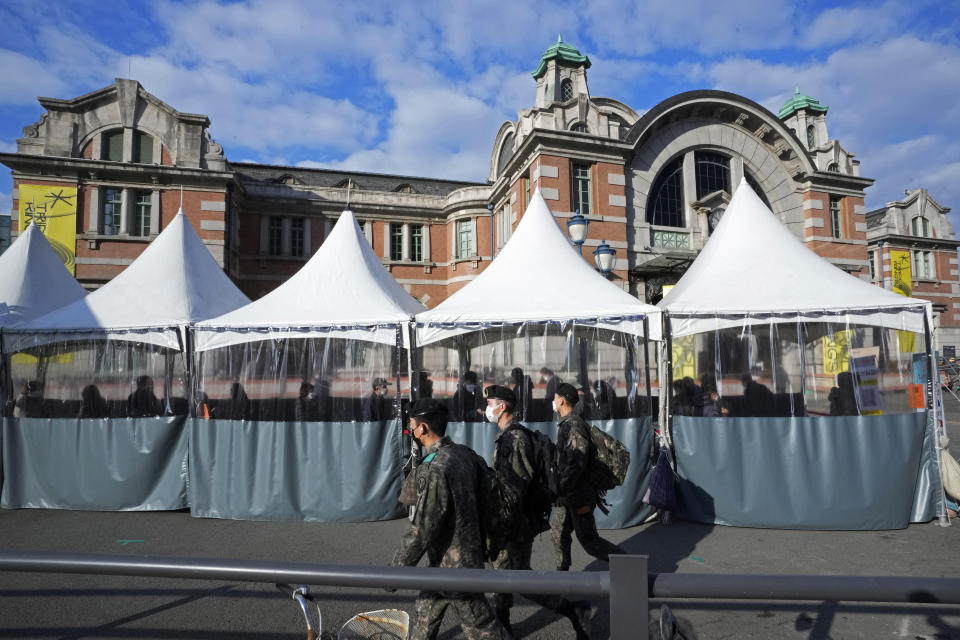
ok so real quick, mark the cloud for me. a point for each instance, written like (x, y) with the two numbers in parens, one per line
(6, 204)
(840, 25)
(8, 147)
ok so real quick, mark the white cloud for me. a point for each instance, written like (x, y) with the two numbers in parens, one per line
(844, 24)
(25, 78)
(8, 147)
(6, 204)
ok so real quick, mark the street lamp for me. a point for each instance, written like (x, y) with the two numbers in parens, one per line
(577, 228)
(604, 256)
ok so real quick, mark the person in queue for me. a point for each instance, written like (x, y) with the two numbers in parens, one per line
(466, 399)
(446, 526)
(513, 459)
(577, 497)
(303, 407)
(376, 406)
(142, 403)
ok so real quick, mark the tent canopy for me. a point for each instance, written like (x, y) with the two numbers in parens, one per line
(174, 282)
(33, 280)
(753, 269)
(537, 277)
(343, 287)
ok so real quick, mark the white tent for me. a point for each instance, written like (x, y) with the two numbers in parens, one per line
(537, 276)
(33, 280)
(343, 286)
(754, 270)
(174, 282)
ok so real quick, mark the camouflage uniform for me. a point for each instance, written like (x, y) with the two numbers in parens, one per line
(446, 526)
(579, 497)
(513, 460)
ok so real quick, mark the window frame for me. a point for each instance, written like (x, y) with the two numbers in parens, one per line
(566, 84)
(707, 171)
(924, 227)
(416, 242)
(142, 213)
(274, 236)
(105, 139)
(670, 175)
(115, 214)
(396, 241)
(464, 234)
(811, 137)
(577, 182)
(138, 139)
(836, 217)
(297, 249)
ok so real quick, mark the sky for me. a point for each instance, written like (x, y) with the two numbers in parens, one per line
(421, 88)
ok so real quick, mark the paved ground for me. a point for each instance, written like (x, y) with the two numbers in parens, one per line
(48, 606)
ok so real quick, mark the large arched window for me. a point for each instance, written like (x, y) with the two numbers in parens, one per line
(713, 173)
(566, 90)
(665, 205)
(579, 127)
(506, 152)
(920, 227)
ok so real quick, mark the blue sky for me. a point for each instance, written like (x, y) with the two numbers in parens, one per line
(422, 87)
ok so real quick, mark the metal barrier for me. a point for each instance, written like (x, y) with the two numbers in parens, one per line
(624, 584)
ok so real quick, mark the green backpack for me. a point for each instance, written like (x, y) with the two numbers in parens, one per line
(500, 509)
(609, 460)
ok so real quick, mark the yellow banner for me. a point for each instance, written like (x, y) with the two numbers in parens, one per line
(683, 357)
(907, 340)
(900, 265)
(54, 209)
(836, 352)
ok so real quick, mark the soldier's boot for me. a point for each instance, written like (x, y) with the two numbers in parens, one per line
(578, 613)
(502, 614)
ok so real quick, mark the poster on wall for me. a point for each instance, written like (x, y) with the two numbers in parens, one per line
(836, 351)
(901, 271)
(54, 210)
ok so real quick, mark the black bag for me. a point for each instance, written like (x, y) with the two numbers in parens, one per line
(499, 506)
(542, 492)
(663, 484)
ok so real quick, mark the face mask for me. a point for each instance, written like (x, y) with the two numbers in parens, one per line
(489, 414)
(553, 403)
(470, 388)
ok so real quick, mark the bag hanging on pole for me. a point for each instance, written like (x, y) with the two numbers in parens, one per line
(663, 484)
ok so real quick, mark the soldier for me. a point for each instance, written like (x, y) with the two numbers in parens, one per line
(577, 497)
(446, 526)
(513, 459)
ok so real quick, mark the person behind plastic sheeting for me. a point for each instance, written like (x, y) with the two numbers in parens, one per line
(30, 402)
(445, 526)
(467, 400)
(514, 460)
(376, 406)
(577, 497)
(92, 404)
(238, 404)
(142, 403)
(303, 406)
(551, 381)
(758, 400)
(843, 398)
(711, 398)
(606, 398)
(522, 386)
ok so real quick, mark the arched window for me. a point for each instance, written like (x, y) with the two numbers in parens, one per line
(566, 90)
(289, 179)
(713, 173)
(405, 188)
(506, 152)
(756, 188)
(920, 227)
(665, 205)
(111, 146)
(833, 167)
(579, 127)
(349, 182)
(142, 147)
(811, 137)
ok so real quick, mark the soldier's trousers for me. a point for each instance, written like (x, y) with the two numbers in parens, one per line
(476, 618)
(517, 556)
(564, 522)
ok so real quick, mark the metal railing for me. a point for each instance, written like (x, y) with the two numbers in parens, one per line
(627, 584)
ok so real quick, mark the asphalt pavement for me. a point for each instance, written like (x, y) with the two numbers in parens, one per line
(71, 606)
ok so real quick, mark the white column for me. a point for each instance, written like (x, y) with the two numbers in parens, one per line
(386, 240)
(126, 209)
(453, 240)
(264, 235)
(96, 151)
(154, 213)
(286, 237)
(306, 237)
(689, 188)
(426, 243)
(127, 144)
(405, 245)
(736, 173)
(474, 238)
(157, 150)
(93, 215)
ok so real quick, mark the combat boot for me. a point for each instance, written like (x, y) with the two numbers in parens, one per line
(578, 613)
(503, 617)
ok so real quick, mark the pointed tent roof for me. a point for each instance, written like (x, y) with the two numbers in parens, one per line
(753, 265)
(174, 282)
(537, 276)
(33, 280)
(343, 285)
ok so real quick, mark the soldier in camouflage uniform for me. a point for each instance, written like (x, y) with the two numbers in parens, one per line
(577, 498)
(513, 459)
(446, 526)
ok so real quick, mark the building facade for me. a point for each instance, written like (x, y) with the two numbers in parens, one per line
(653, 187)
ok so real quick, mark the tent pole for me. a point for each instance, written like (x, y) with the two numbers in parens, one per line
(646, 366)
(667, 425)
(933, 380)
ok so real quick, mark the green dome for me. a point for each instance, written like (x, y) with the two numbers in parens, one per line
(800, 101)
(561, 52)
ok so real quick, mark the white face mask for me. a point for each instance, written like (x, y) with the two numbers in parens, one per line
(470, 387)
(553, 403)
(490, 415)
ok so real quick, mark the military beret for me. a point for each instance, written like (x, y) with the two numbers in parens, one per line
(568, 392)
(499, 392)
(427, 407)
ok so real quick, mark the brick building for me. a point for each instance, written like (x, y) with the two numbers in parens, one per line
(652, 186)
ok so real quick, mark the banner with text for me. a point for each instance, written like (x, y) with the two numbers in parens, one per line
(54, 209)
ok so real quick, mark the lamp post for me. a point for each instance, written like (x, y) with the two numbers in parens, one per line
(605, 256)
(577, 228)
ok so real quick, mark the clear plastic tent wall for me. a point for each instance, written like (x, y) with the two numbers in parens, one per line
(539, 315)
(789, 410)
(298, 394)
(100, 387)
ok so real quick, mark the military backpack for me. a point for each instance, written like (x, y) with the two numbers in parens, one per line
(500, 509)
(609, 460)
(543, 489)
